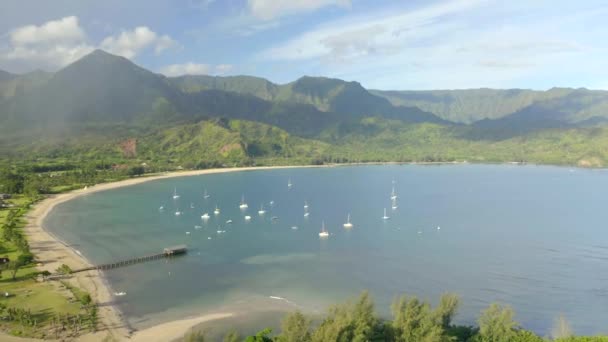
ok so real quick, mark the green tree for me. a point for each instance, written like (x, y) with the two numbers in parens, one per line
(349, 322)
(261, 336)
(415, 321)
(446, 310)
(14, 267)
(232, 336)
(295, 327)
(86, 299)
(25, 258)
(561, 328)
(496, 324)
(526, 336)
(195, 336)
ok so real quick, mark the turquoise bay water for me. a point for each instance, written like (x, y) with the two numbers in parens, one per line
(533, 237)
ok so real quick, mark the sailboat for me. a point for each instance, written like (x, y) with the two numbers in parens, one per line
(216, 211)
(175, 195)
(205, 216)
(385, 217)
(393, 194)
(289, 185)
(394, 204)
(178, 213)
(191, 205)
(306, 213)
(305, 205)
(206, 195)
(261, 211)
(243, 205)
(348, 224)
(323, 233)
(247, 218)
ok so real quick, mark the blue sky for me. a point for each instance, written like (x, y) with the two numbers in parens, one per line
(382, 44)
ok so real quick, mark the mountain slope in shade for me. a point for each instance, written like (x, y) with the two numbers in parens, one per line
(6, 76)
(249, 85)
(17, 85)
(100, 87)
(106, 90)
(471, 105)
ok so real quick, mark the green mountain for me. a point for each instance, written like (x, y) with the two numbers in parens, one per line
(566, 105)
(104, 89)
(6, 76)
(13, 85)
(249, 85)
(105, 106)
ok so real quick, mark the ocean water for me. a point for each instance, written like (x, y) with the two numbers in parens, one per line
(533, 237)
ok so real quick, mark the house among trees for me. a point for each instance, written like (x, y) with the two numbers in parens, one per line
(4, 260)
(5, 196)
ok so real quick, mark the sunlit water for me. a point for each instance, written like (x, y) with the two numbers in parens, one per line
(533, 237)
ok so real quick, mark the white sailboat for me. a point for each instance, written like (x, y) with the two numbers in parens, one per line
(289, 185)
(247, 218)
(394, 204)
(306, 213)
(216, 211)
(191, 205)
(178, 213)
(385, 217)
(393, 194)
(305, 205)
(348, 224)
(262, 211)
(175, 195)
(205, 216)
(324, 233)
(243, 205)
(206, 195)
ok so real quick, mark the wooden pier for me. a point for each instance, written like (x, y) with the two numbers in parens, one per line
(167, 253)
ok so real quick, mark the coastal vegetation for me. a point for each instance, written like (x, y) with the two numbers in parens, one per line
(412, 320)
(29, 307)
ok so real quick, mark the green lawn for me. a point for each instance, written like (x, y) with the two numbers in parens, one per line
(44, 300)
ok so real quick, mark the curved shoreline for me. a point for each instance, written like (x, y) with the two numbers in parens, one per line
(52, 252)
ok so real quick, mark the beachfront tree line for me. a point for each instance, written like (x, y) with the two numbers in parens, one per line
(412, 320)
(12, 234)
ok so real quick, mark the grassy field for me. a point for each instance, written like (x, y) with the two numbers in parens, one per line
(44, 300)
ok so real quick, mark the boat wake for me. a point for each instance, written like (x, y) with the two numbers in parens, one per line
(283, 299)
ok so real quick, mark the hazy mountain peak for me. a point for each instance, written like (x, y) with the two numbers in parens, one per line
(5, 75)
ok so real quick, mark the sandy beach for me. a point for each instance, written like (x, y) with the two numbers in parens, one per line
(52, 253)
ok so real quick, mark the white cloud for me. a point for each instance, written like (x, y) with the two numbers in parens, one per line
(57, 43)
(65, 30)
(130, 43)
(50, 45)
(223, 69)
(364, 36)
(453, 44)
(269, 9)
(191, 68)
(185, 69)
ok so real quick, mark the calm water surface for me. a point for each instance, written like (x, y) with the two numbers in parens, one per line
(533, 237)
